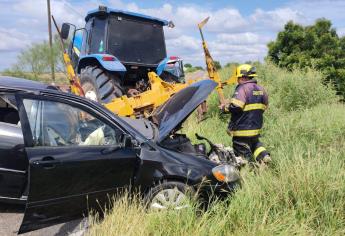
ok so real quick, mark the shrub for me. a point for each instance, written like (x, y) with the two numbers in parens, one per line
(295, 90)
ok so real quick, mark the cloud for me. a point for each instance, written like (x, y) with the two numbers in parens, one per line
(275, 19)
(12, 40)
(184, 42)
(187, 47)
(187, 17)
(231, 36)
(246, 38)
(314, 9)
(341, 31)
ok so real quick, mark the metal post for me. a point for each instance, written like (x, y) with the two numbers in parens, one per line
(52, 68)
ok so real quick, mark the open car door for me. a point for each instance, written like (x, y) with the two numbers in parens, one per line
(13, 161)
(76, 160)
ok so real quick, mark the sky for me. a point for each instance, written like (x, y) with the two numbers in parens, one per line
(237, 31)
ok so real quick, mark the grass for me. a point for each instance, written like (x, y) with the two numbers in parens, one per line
(60, 78)
(302, 193)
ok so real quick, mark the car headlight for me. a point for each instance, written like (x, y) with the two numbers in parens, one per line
(226, 173)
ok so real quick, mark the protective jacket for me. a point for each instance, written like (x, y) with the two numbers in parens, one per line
(247, 107)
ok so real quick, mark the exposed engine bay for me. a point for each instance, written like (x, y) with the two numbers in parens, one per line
(179, 142)
(218, 153)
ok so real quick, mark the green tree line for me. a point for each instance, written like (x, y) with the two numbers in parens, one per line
(316, 46)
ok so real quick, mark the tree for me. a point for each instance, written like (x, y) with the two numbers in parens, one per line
(188, 65)
(217, 65)
(231, 64)
(317, 46)
(35, 60)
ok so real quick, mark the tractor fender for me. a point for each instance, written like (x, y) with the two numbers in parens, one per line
(108, 64)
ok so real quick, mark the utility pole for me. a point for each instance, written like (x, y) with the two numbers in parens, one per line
(52, 68)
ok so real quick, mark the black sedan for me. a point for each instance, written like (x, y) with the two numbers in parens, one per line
(63, 155)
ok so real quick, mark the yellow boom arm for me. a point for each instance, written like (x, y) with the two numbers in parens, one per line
(72, 77)
(211, 69)
(144, 103)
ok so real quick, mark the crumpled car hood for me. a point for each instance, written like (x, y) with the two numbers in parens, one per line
(177, 109)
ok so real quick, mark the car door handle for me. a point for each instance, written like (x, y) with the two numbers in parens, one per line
(47, 163)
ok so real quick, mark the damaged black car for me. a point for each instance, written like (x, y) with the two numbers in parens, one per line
(63, 155)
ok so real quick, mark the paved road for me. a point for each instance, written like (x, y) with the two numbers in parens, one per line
(11, 217)
(197, 75)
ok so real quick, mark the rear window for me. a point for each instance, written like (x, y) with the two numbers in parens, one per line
(135, 41)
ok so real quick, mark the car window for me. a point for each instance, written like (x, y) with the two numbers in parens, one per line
(58, 124)
(8, 109)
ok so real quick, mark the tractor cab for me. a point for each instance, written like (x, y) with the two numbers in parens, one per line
(116, 49)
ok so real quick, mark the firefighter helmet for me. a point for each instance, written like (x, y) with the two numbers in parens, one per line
(246, 71)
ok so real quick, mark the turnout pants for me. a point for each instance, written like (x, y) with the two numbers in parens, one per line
(249, 148)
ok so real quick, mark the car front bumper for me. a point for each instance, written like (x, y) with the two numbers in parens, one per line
(217, 190)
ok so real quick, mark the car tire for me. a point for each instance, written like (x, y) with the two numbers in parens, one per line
(99, 85)
(169, 195)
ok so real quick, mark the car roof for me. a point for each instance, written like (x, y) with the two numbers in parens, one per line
(7, 82)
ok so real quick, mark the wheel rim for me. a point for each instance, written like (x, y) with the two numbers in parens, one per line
(90, 92)
(169, 199)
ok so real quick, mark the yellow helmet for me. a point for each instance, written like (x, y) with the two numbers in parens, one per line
(246, 70)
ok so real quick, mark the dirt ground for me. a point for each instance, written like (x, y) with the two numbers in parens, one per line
(196, 75)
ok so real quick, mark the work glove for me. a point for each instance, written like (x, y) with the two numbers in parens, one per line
(224, 106)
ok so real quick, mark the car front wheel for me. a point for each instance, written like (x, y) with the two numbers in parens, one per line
(169, 195)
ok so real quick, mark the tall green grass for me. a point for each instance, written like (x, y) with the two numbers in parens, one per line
(302, 193)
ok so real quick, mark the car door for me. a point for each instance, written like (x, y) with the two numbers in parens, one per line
(76, 160)
(13, 162)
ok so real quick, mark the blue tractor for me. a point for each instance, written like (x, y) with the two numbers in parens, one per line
(116, 49)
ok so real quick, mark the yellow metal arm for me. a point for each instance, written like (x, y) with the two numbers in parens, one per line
(211, 69)
(144, 103)
(73, 79)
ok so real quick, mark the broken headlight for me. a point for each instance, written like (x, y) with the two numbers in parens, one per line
(226, 173)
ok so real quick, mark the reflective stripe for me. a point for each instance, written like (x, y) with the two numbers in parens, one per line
(76, 50)
(237, 102)
(254, 106)
(258, 151)
(258, 93)
(245, 133)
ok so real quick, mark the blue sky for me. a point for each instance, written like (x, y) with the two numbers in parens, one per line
(237, 30)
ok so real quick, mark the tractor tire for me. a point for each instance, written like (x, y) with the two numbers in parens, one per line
(99, 85)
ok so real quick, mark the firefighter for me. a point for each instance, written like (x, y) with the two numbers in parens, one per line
(247, 106)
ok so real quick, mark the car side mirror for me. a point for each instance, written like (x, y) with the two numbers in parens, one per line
(65, 30)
